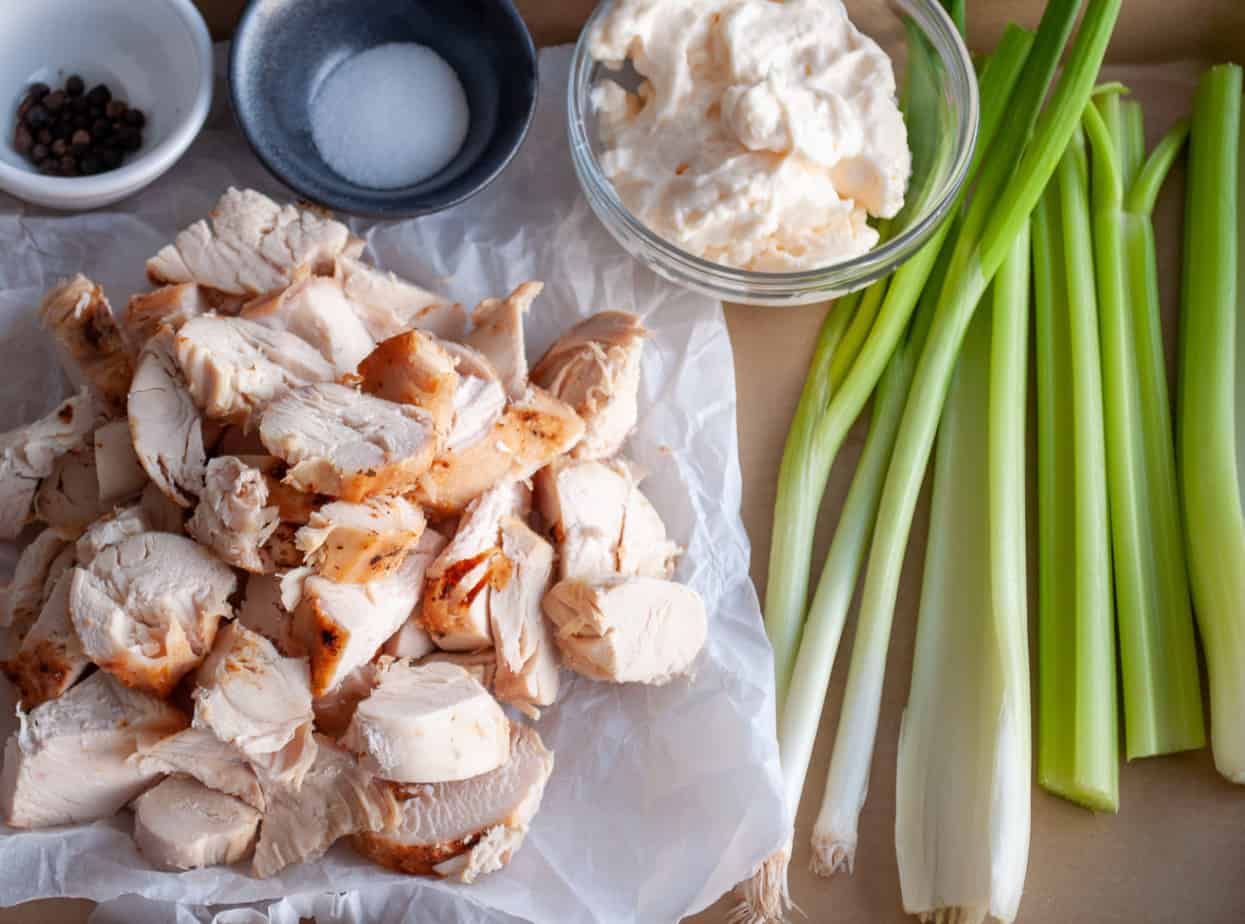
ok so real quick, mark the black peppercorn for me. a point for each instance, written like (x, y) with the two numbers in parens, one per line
(38, 90)
(75, 85)
(88, 165)
(23, 140)
(48, 166)
(110, 158)
(37, 117)
(135, 117)
(61, 129)
(101, 128)
(69, 166)
(115, 108)
(44, 136)
(129, 139)
(78, 104)
(60, 147)
(99, 95)
(39, 152)
(54, 101)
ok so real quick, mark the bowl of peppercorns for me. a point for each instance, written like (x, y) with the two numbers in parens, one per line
(98, 97)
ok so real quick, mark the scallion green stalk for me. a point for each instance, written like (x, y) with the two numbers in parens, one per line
(1013, 176)
(1209, 393)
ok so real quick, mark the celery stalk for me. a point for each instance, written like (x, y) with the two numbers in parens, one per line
(963, 775)
(1000, 207)
(1162, 696)
(1209, 475)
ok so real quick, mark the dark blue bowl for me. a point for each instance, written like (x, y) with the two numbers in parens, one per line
(283, 49)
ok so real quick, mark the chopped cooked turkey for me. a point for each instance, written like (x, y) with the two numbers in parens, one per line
(482, 664)
(595, 368)
(90, 342)
(342, 626)
(317, 310)
(465, 829)
(428, 724)
(68, 760)
(455, 608)
(36, 571)
(29, 453)
(233, 518)
(181, 824)
(627, 629)
(527, 662)
(117, 470)
(531, 433)
(235, 367)
(69, 498)
(200, 754)
(478, 406)
(389, 305)
(341, 442)
(109, 530)
(497, 332)
(293, 506)
(147, 609)
(251, 696)
(602, 521)
(412, 640)
(413, 368)
(335, 709)
(50, 659)
(356, 543)
(470, 361)
(337, 798)
(165, 426)
(264, 611)
(249, 245)
(169, 306)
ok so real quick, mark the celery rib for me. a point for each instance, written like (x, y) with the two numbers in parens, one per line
(1209, 476)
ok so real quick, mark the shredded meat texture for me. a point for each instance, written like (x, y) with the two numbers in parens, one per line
(165, 426)
(92, 346)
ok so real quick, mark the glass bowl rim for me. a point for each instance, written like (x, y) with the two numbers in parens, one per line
(782, 287)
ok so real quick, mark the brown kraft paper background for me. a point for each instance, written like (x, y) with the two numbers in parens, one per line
(1176, 850)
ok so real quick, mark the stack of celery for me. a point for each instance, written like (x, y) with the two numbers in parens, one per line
(1055, 217)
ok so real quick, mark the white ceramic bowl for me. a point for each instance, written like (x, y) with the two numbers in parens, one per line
(154, 54)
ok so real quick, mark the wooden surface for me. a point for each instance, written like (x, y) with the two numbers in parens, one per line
(1176, 851)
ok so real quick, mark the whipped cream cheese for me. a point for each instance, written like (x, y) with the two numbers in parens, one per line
(763, 132)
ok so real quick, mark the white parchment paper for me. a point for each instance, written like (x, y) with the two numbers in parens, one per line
(661, 798)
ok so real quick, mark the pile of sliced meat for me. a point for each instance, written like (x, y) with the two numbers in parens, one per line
(309, 545)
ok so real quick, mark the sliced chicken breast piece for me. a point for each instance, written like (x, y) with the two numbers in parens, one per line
(69, 498)
(147, 609)
(356, 543)
(117, 470)
(181, 824)
(478, 406)
(466, 829)
(337, 798)
(413, 368)
(233, 517)
(470, 361)
(627, 629)
(170, 306)
(482, 664)
(293, 506)
(341, 442)
(412, 640)
(595, 368)
(252, 697)
(109, 530)
(529, 435)
(342, 626)
(602, 521)
(50, 659)
(29, 453)
(161, 513)
(198, 753)
(457, 585)
(527, 661)
(32, 578)
(317, 310)
(165, 427)
(497, 332)
(335, 709)
(264, 611)
(390, 305)
(249, 245)
(428, 724)
(235, 367)
(92, 349)
(68, 762)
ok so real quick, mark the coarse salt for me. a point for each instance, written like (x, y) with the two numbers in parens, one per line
(390, 116)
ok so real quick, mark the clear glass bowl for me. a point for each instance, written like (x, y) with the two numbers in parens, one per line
(939, 165)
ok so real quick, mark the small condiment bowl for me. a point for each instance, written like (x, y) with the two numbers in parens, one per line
(284, 49)
(155, 54)
(940, 164)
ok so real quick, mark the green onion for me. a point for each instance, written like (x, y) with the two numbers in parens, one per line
(964, 764)
(1162, 694)
(1013, 175)
(1208, 396)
